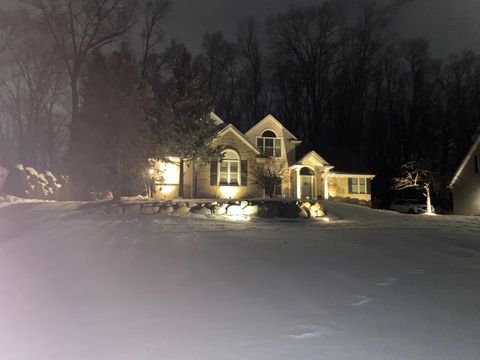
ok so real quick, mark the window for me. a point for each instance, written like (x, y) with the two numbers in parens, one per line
(229, 168)
(358, 186)
(269, 144)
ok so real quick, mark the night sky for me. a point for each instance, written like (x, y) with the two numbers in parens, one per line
(450, 25)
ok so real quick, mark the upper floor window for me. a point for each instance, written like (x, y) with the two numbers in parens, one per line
(229, 168)
(269, 144)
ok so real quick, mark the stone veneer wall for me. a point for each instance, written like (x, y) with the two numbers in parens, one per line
(338, 187)
(205, 190)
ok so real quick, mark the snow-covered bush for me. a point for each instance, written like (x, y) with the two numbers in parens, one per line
(27, 182)
(349, 200)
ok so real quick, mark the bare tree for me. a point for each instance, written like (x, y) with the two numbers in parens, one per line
(414, 175)
(218, 69)
(153, 13)
(307, 42)
(269, 175)
(30, 92)
(77, 28)
(254, 97)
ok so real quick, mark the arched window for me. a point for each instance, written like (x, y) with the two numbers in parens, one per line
(307, 171)
(269, 144)
(269, 133)
(229, 168)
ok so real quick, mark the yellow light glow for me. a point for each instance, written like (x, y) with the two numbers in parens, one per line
(228, 192)
(167, 189)
(170, 171)
(326, 219)
(151, 171)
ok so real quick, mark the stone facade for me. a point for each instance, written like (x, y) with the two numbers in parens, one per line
(204, 188)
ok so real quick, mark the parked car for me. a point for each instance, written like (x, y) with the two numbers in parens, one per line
(409, 206)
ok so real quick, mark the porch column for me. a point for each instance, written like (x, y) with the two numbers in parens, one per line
(325, 184)
(299, 195)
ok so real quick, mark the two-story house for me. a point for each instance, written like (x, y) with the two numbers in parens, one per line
(311, 176)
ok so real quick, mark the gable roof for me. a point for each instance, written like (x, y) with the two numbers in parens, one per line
(460, 169)
(270, 117)
(315, 155)
(235, 131)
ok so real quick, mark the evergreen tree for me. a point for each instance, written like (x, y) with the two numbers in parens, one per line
(113, 141)
(188, 131)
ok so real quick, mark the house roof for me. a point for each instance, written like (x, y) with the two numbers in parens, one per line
(238, 133)
(216, 119)
(460, 169)
(313, 154)
(270, 117)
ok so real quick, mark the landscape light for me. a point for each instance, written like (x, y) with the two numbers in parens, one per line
(167, 189)
(228, 192)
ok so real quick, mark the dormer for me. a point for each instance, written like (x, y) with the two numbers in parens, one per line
(273, 139)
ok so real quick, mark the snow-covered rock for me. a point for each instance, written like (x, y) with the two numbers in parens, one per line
(234, 210)
(131, 209)
(167, 209)
(250, 210)
(200, 210)
(149, 210)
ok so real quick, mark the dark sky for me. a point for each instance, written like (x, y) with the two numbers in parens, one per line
(450, 25)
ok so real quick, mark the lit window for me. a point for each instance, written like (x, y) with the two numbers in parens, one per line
(229, 169)
(358, 186)
(354, 186)
(269, 144)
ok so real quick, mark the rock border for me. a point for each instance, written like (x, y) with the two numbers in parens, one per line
(264, 208)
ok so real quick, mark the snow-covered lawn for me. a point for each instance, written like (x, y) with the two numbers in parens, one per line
(367, 285)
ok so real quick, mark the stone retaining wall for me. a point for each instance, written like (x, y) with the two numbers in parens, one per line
(243, 208)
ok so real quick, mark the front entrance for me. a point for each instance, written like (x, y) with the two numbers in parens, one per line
(307, 182)
(306, 186)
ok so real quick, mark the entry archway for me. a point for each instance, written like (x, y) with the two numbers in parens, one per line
(307, 182)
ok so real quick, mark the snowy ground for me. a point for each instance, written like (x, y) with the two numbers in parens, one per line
(369, 285)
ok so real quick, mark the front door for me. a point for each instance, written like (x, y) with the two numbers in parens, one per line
(306, 186)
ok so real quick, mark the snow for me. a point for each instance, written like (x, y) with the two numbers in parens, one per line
(12, 200)
(368, 284)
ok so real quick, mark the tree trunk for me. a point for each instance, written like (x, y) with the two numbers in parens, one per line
(429, 200)
(181, 179)
(75, 109)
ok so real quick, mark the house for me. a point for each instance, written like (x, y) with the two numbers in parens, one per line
(465, 184)
(310, 177)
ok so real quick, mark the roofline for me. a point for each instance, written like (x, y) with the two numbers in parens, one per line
(313, 152)
(346, 174)
(270, 116)
(239, 134)
(216, 119)
(464, 162)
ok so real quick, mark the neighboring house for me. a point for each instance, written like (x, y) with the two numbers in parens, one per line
(465, 184)
(231, 178)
